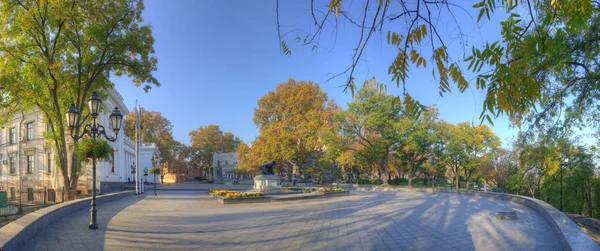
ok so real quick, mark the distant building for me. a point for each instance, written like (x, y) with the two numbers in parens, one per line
(224, 169)
(149, 158)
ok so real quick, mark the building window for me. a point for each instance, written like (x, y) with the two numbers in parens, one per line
(11, 165)
(13, 135)
(49, 164)
(30, 164)
(29, 131)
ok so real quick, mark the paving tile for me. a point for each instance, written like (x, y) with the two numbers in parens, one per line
(189, 220)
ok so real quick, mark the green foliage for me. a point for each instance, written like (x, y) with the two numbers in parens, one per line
(87, 149)
(370, 182)
(155, 170)
(545, 59)
(54, 53)
(370, 121)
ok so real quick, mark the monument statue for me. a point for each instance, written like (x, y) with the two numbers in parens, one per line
(267, 168)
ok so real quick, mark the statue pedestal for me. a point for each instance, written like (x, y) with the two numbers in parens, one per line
(267, 183)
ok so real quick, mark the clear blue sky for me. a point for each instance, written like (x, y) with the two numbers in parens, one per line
(217, 58)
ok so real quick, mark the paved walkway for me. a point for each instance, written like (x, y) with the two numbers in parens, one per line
(191, 220)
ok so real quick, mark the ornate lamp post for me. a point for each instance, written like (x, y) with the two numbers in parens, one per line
(564, 163)
(94, 130)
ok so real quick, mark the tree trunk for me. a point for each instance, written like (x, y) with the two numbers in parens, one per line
(467, 176)
(383, 171)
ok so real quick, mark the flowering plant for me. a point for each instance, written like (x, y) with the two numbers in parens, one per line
(330, 190)
(233, 194)
(243, 195)
(87, 148)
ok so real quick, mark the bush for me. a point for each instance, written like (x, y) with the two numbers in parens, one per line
(309, 189)
(370, 182)
(364, 181)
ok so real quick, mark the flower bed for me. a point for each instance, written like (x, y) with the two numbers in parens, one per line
(333, 192)
(330, 190)
(226, 196)
(317, 189)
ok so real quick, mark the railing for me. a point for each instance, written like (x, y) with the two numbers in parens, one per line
(15, 203)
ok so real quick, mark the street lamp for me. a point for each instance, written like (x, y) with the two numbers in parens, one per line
(432, 162)
(564, 163)
(94, 130)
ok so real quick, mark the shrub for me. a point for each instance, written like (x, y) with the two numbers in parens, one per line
(370, 182)
(364, 181)
(309, 189)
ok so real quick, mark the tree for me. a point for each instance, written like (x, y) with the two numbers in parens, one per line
(496, 170)
(479, 142)
(181, 158)
(371, 120)
(156, 129)
(208, 140)
(415, 141)
(467, 148)
(289, 120)
(545, 58)
(245, 163)
(54, 53)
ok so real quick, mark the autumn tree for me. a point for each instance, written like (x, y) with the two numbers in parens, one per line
(181, 155)
(289, 119)
(208, 140)
(155, 129)
(54, 53)
(245, 162)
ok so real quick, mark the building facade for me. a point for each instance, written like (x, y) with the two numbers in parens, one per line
(149, 158)
(224, 169)
(29, 168)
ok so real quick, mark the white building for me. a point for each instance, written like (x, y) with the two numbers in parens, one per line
(149, 158)
(27, 162)
(224, 169)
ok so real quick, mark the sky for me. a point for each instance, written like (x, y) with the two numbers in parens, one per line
(217, 58)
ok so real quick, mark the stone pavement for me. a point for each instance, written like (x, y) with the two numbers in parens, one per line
(191, 220)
